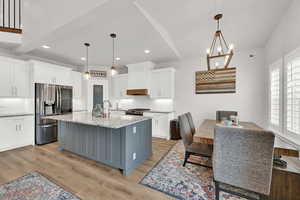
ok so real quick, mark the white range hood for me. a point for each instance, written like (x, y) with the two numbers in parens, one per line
(139, 78)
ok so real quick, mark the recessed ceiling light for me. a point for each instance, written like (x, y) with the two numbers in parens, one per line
(83, 58)
(147, 51)
(46, 47)
(118, 58)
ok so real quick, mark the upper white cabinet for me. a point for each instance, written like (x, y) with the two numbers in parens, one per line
(5, 79)
(21, 79)
(119, 86)
(51, 74)
(163, 83)
(138, 75)
(76, 78)
(14, 78)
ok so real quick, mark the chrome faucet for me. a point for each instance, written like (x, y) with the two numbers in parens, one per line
(108, 108)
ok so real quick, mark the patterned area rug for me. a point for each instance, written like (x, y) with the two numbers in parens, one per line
(191, 182)
(33, 186)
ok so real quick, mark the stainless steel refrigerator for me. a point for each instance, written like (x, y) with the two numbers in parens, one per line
(50, 100)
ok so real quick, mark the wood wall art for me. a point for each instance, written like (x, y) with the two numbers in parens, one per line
(216, 81)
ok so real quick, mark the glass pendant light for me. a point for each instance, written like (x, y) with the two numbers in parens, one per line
(87, 74)
(113, 68)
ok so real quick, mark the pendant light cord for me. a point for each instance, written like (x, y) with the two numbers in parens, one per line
(113, 58)
(87, 58)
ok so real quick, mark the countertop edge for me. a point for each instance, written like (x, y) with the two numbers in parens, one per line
(16, 115)
(90, 124)
(148, 111)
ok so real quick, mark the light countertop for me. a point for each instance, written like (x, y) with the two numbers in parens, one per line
(3, 115)
(148, 111)
(115, 121)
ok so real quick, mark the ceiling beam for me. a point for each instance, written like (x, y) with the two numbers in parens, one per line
(61, 30)
(158, 28)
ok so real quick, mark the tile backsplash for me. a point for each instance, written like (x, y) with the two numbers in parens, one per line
(16, 105)
(145, 102)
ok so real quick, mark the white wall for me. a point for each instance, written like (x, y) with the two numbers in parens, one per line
(249, 99)
(286, 36)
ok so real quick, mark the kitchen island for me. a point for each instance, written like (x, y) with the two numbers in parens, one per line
(121, 141)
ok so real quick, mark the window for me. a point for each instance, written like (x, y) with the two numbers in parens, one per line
(284, 95)
(275, 97)
(293, 96)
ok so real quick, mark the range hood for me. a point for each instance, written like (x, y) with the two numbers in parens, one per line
(139, 77)
(137, 92)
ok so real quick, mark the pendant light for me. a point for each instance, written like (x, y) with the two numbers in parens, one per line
(87, 74)
(113, 68)
(224, 53)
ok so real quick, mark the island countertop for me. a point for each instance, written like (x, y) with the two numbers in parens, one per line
(115, 120)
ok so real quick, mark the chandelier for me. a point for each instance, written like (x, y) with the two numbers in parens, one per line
(219, 54)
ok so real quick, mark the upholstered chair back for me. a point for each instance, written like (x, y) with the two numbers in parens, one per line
(243, 158)
(224, 114)
(190, 119)
(185, 130)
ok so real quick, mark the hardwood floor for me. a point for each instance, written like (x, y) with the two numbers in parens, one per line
(85, 178)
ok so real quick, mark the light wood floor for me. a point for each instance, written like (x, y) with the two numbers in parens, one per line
(85, 178)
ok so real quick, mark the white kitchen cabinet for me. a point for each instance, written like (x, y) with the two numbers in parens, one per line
(138, 75)
(51, 74)
(5, 80)
(162, 83)
(16, 132)
(21, 80)
(160, 124)
(120, 84)
(76, 78)
(14, 78)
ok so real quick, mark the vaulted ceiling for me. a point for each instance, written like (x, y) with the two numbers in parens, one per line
(171, 29)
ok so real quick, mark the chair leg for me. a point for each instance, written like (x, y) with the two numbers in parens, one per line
(217, 190)
(186, 157)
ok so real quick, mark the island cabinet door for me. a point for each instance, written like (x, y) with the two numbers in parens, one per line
(97, 143)
(138, 144)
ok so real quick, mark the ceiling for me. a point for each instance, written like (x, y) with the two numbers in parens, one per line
(171, 29)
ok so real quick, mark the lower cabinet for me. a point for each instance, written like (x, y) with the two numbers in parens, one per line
(16, 132)
(160, 124)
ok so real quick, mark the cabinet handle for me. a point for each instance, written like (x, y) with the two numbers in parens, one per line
(16, 127)
(16, 91)
(20, 127)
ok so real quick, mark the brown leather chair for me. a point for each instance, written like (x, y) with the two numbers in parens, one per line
(191, 147)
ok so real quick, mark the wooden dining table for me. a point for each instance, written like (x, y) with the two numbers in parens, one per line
(205, 132)
(285, 181)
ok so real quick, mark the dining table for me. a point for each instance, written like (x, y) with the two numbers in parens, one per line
(285, 180)
(205, 132)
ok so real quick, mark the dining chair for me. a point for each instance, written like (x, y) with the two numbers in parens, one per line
(220, 114)
(191, 122)
(191, 147)
(242, 162)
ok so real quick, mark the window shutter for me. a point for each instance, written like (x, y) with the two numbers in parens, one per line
(293, 96)
(275, 97)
